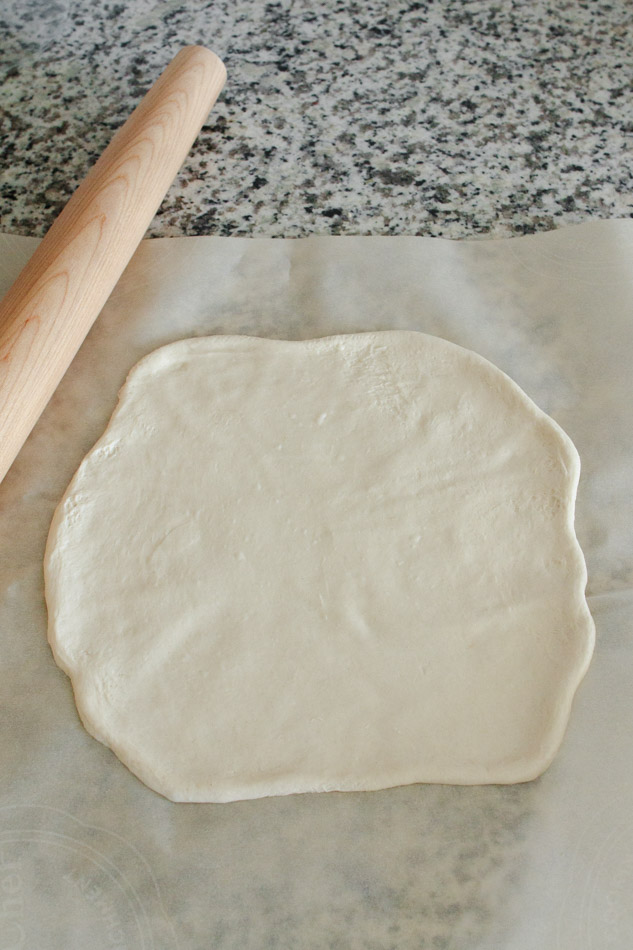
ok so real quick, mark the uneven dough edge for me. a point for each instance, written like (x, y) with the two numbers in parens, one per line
(511, 773)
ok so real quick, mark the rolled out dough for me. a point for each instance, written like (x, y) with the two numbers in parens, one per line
(346, 563)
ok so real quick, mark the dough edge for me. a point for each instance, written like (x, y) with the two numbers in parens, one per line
(167, 785)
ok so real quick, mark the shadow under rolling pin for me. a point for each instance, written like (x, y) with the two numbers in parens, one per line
(48, 311)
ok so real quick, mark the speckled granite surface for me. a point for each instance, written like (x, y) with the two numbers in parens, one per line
(453, 118)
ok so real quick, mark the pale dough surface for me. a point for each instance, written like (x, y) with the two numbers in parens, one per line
(346, 563)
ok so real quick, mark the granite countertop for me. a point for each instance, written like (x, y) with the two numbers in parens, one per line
(452, 118)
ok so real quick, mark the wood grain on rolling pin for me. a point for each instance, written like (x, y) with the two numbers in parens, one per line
(55, 300)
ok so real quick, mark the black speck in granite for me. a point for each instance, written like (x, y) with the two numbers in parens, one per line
(445, 118)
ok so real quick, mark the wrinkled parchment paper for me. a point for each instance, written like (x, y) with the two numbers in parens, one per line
(90, 857)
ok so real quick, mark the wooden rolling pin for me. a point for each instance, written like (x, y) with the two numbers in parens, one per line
(57, 297)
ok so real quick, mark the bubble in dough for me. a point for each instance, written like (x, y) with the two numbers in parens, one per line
(346, 563)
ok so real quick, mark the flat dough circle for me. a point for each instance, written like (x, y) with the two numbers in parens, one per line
(347, 563)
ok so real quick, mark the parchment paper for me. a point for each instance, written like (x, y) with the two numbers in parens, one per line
(90, 857)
